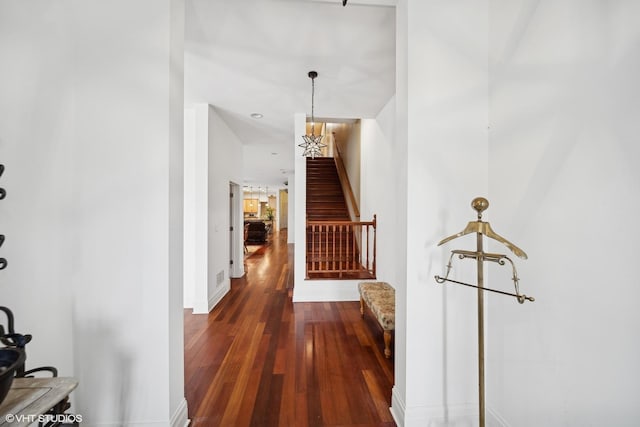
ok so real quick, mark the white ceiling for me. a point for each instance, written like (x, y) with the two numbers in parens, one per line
(246, 56)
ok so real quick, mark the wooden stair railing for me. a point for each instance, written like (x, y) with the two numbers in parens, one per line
(336, 246)
(347, 190)
(341, 249)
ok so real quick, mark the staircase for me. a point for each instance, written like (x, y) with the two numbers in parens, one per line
(325, 199)
(333, 241)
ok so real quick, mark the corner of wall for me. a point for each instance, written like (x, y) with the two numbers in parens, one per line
(494, 419)
(397, 407)
(219, 294)
(180, 417)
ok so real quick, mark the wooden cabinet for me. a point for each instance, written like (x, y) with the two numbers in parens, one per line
(251, 205)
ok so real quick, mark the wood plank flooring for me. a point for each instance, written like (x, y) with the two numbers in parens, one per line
(260, 360)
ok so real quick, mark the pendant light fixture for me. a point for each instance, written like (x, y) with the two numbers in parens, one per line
(312, 143)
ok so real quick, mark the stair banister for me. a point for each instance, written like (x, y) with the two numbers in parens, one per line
(352, 203)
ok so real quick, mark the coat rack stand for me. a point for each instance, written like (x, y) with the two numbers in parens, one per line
(481, 228)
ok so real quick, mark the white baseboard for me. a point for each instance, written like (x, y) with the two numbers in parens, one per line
(326, 290)
(494, 419)
(220, 293)
(180, 417)
(397, 407)
(431, 416)
(237, 270)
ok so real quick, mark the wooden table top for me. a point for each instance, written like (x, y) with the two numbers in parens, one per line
(31, 397)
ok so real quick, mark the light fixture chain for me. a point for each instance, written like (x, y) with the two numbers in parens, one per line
(313, 91)
(312, 144)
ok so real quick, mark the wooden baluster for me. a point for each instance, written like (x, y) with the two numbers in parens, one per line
(326, 247)
(314, 231)
(366, 267)
(374, 245)
(354, 243)
(340, 248)
(333, 249)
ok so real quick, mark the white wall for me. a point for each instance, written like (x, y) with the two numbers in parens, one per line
(38, 215)
(216, 161)
(225, 166)
(441, 104)
(91, 135)
(555, 83)
(378, 188)
(297, 203)
(399, 391)
(196, 230)
(191, 235)
(350, 151)
(177, 403)
(564, 157)
(291, 206)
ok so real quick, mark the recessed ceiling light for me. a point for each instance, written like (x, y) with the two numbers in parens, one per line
(256, 115)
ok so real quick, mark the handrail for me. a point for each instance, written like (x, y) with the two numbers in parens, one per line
(341, 249)
(324, 222)
(344, 181)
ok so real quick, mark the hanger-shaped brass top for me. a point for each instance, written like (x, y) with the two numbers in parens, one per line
(480, 204)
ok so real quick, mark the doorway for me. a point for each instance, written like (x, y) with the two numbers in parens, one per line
(236, 232)
(283, 214)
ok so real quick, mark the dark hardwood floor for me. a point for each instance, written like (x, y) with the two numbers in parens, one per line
(260, 360)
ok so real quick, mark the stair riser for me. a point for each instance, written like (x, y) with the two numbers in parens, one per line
(325, 199)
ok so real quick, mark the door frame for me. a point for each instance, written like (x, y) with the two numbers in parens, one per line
(236, 231)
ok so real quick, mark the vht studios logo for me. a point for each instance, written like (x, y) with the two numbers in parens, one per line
(46, 418)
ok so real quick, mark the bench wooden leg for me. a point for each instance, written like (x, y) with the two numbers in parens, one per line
(361, 307)
(387, 344)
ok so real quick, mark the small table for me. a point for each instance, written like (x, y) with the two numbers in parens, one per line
(30, 397)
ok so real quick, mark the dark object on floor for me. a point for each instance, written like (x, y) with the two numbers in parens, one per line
(10, 360)
(257, 232)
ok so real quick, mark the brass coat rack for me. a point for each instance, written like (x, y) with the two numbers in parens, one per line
(481, 228)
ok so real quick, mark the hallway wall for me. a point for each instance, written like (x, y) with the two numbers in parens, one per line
(441, 131)
(532, 104)
(225, 165)
(91, 135)
(215, 160)
(38, 215)
(563, 168)
(379, 189)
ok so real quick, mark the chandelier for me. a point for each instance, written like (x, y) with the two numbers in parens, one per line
(312, 143)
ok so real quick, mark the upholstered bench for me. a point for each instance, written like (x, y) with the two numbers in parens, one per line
(380, 297)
